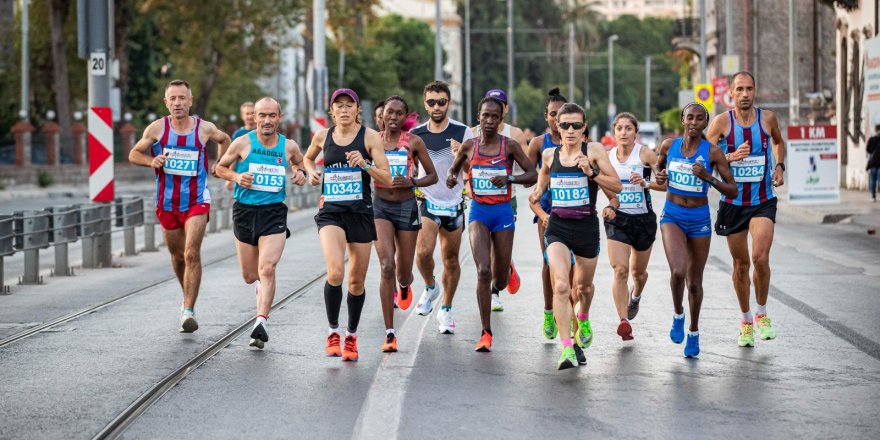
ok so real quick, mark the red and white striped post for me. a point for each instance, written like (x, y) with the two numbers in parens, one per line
(100, 154)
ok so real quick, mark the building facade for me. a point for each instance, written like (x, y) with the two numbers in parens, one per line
(613, 9)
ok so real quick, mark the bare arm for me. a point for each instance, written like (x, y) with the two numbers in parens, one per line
(295, 159)
(420, 151)
(140, 154)
(530, 176)
(210, 131)
(607, 178)
(649, 158)
(726, 186)
(541, 186)
(234, 153)
(462, 159)
(312, 153)
(380, 171)
(534, 151)
(719, 126)
(661, 180)
(778, 147)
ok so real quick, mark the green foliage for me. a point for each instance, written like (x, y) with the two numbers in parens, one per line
(396, 57)
(44, 179)
(670, 120)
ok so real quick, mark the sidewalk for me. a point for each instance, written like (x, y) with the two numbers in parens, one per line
(855, 207)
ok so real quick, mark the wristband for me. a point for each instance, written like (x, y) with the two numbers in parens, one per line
(413, 180)
(781, 164)
(594, 174)
(714, 181)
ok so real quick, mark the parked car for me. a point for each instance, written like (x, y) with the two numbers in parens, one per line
(649, 134)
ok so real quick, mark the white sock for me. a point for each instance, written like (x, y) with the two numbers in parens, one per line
(261, 320)
(696, 333)
(747, 317)
(389, 331)
(633, 297)
(548, 312)
(762, 310)
(677, 316)
(347, 334)
(333, 330)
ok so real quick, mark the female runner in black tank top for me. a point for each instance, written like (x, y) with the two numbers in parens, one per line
(345, 217)
(573, 227)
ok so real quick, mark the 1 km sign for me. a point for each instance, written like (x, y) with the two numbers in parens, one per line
(813, 170)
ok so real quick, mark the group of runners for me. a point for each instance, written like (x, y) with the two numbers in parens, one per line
(406, 188)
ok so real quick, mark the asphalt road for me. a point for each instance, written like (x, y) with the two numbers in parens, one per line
(820, 378)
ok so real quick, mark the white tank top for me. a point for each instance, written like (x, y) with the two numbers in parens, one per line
(633, 198)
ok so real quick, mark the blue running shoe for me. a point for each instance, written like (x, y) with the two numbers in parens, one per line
(677, 331)
(692, 347)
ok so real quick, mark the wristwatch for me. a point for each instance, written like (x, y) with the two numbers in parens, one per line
(511, 178)
(781, 164)
(595, 173)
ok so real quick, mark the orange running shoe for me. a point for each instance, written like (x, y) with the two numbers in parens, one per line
(405, 298)
(390, 345)
(485, 344)
(350, 350)
(333, 345)
(625, 330)
(513, 283)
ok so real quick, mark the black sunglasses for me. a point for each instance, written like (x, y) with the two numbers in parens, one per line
(574, 125)
(432, 102)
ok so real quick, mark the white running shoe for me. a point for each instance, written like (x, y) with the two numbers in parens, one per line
(496, 303)
(426, 301)
(188, 323)
(447, 325)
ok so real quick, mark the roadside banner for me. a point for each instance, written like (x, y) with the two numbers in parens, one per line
(812, 165)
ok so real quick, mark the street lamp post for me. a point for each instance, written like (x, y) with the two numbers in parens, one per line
(612, 109)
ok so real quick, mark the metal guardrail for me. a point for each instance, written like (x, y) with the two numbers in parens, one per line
(30, 231)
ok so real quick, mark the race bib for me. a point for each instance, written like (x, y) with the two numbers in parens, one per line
(343, 185)
(569, 189)
(441, 211)
(268, 178)
(181, 162)
(748, 170)
(480, 176)
(632, 196)
(397, 161)
(682, 177)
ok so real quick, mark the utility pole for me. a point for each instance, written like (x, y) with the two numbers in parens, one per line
(25, 61)
(571, 61)
(703, 41)
(510, 86)
(467, 63)
(793, 95)
(648, 88)
(438, 49)
(612, 108)
(320, 58)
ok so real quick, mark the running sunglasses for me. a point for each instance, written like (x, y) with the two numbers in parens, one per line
(574, 125)
(432, 102)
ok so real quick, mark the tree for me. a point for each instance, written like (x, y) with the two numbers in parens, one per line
(207, 42)
(57, 16)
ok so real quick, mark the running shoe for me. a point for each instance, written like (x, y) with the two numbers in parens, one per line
(765, 331)
(485, 344)
(447, 324)
(633, 308)
(333, 348)
(395, 300)
(259, 336)
(692, 347)
(677, 331)
(584, 334)
(579, 352)
(746, 334)
(426, 301)
(513, 283)
(405, 298)
(625, 330)
(390, 345)
(350, 349)
(188, 323)
(496, 303)
(568, 359)
(550, 329)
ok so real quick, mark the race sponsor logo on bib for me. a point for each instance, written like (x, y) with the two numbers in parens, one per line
(397, 161)
(441, 211)
(632, 196)
(342, 184)
(480, 176)
(748, 170)
(682, 177)
(180, 162)
(569, 189)
(268, 178)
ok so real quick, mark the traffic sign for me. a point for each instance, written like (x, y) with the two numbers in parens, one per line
(703, 93)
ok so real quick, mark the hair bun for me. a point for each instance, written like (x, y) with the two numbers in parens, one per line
(554, 92)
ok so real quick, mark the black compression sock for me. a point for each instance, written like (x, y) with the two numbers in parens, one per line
(332, 302)
(355, 306)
